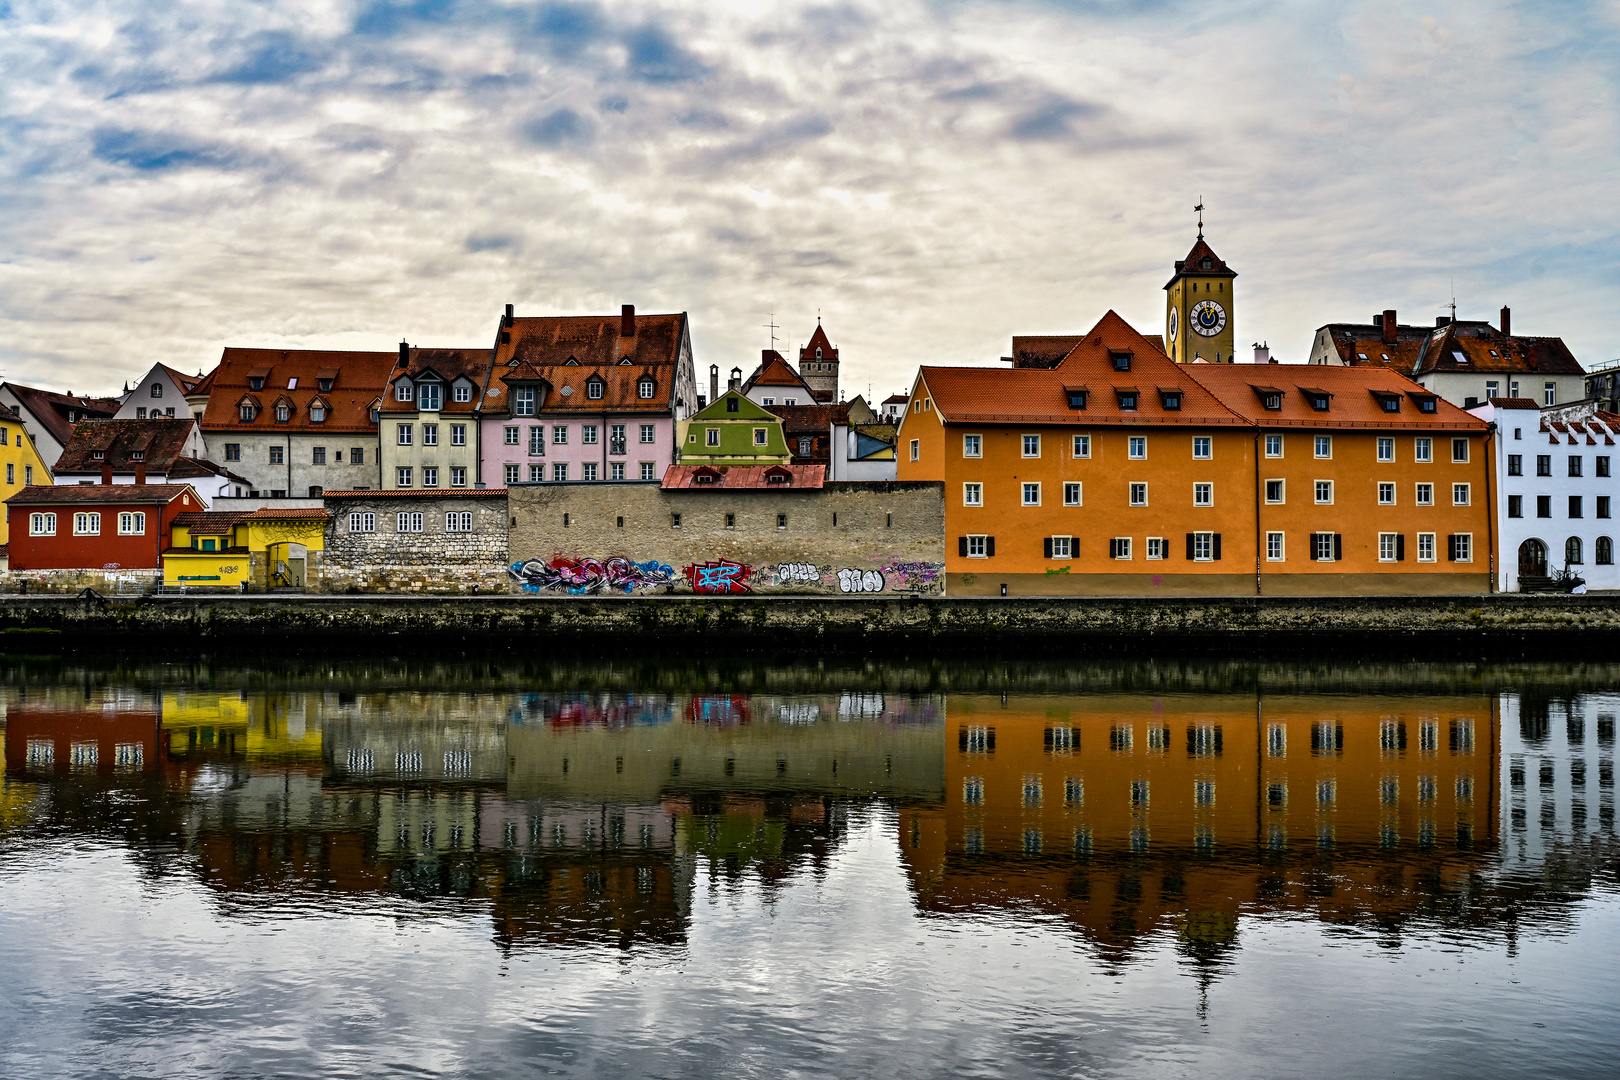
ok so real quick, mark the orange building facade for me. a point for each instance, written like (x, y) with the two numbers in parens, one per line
(1119, 472)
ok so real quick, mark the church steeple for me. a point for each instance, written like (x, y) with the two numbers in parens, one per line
(1198, 305)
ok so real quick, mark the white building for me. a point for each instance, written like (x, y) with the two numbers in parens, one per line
(1556, 493)
(160, 392)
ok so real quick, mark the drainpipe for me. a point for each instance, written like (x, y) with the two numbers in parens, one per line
(1490, 477)
(288, 452)
(1259, 537)
(606, 434)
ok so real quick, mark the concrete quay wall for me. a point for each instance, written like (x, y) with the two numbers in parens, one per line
(1410, 628)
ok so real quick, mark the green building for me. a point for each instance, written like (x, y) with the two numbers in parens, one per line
(732, 430)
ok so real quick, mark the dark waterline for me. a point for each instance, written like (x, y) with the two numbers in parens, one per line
(504, 865)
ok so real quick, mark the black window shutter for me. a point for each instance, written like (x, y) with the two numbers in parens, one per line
(1189, 546)
(1313, 546)
(1074, 547)
(1400, 547)
(989, 545)
(1451, 547)
(1048, 547)
(1338, 547)
(1217, 547)
(961, 546)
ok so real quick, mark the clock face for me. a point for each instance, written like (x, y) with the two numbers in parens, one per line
(1208, 318)
(1175, 319)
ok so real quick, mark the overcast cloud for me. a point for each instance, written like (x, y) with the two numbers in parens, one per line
(176, 176)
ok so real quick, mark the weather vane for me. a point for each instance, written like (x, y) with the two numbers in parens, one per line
(772, 327)
(1200, 209)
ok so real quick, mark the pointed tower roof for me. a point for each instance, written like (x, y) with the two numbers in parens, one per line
(819, 338)
(1201, 261)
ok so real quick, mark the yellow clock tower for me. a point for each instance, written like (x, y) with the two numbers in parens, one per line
(1198, 306)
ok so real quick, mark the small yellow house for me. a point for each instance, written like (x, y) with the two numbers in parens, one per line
(263, 549)
(19, 462)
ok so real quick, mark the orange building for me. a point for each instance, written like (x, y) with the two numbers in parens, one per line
(1115, 471)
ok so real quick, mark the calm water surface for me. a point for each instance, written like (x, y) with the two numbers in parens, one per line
(409, 868)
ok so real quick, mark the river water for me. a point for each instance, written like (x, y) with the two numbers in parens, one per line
(680, 869)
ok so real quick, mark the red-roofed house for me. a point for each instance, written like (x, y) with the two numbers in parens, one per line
(50, 417)
(95, 527)
(429, 417)
(160, 392)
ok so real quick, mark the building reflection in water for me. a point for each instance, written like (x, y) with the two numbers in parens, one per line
(573, 819)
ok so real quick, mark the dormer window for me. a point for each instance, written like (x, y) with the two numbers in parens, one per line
(646, 388)
(1078, 396)
(523, 401)
(1121, 361)
(404, 391)
(1127, 398)
(255, 384)
(1206, 263)
(429, 397)
(1318, 399)
(779, 476)
(1170, 399)
(705, 476)
(1426, 403)
(317, 412)
(137, 455)
(283, 414)
(324, 385)
(1273, 402)
(98, 455)
(595, 388)
(463, 393)
(1390, 403)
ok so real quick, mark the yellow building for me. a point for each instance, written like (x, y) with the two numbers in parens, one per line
(19, 460)
(274, 729)
(1199, 307)
(263, 548)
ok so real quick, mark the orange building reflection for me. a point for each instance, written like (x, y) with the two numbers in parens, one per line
(1131, 814)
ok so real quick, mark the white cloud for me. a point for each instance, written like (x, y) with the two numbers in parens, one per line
(932, 177)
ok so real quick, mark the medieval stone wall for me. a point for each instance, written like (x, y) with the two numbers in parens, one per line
(846, 539)
(434, 560)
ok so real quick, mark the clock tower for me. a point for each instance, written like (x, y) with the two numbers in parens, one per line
(1198, 307)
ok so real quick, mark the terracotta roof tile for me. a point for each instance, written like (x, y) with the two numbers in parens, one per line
(774, 370)
(1194, 263)
(211, 523)
(161, 440)
(451, 365)
(1474, 346)
(47, 494)
(738, 477)
(286, 513)
(566, 350)
(358, 385)
(52, 409)
(1355, 399)
(412, 493)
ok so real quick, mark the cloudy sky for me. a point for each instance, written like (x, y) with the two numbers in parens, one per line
(178, 175)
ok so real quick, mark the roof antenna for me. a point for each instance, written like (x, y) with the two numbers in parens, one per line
(1453, 299)
(772, 327)
(1200, 209)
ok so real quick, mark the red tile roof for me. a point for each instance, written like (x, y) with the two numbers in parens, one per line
(160, 440)
(451, 365)
(286, 513)
(1514, 403)
(412, 493)
(1039, 396)
(1483, 348)
(1041, 351)
(774, 370)
(360, 380)
(819, 338)
(1355, 400)
(565, 351)
(48, 494)
(1193, 264)
(744, 477)
(211, 523)
(809, 419)
(52, 409)
(186, 383)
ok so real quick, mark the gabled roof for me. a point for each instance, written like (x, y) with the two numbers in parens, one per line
(210, 523)
(1194, 264)
(161, 440)
(186, 383)
(1036, 396)
(1469, 347)
(775, 371)
(360, 380)
(819, 338)
(1354, 396)
(51, 410)
(595, 344)
(92, 494)
(901, 399)
(811, 419)
(451, 365)
(746, 410)
(745, 477)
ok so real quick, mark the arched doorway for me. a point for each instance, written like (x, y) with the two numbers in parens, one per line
(1532, 559)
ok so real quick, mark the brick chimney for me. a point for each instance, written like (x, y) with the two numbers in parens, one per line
(404, 354)
(1507, 321)
(140, 472)
(106, 472)
(714, 382)
(507, 321)
(1388, 321)
(627, 321)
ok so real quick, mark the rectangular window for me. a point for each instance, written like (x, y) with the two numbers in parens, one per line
(463, 393)
(1386, 449)
(458, 434)
(403, 434)
(317, 455)
(510, 435)
(1274, 491)
(1061, 547)
(1516, 506)
(1032, 494)
(647, 432)
(28, 476)
(1203, 546)
(1071, 493)
(1139, 495)
(977, 547)
(86, 524)
(1274, 446)
(1462, 547)
(559, 435)
(458, 521)
(42, 525)
(537, 441)
(588, 471)
(1549, 393)
(1602, 465)
(1386, 494)
(915, 447)
(1425, 544)
(1543, 464)
(1324, 492)
(430, 434)
(408, 522)
(1602, 506)
(11, 470)
(1119, 547)
(1574, 465)
(1543, 506)
(132, 524)
(1203, 494)
(1425, 494)
(1032, 446)
(1203, 447)
(1138, 446)
(1516, 464)
(1459, 494)
(430, 476)
(537, 474)
(972, 494)
(972, 446)
(759, 436)
(404, 477)
(647, 470)
(616, 470)
(523, 401)
(1324, 446)
(360, 522)
(1274, 547)
(278, 455)
(711, 436)
(233, 451)
(1157, 548)
(1459, 450)
(1575, 506)
(1423, 449)
(559, 472)
(587, 434)
(1323, 546)
(458, 477)
(357, 455)
(512, 473)
(1082, 446)
(1388, 547)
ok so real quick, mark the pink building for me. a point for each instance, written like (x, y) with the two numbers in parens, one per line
(593, 397)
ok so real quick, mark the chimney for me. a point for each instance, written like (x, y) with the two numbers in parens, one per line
(1442, 321)
(140, 472)
(106, 472)
(404, 354)
(507, 321)
(1389, 326)
(1262, 353)
(714, 382)
(1507, 321)
(736, 379)
(627, 321)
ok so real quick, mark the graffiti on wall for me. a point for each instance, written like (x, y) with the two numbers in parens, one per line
(581, 577)
(860, 581)
(719, 576)
(798, 573)
(913, 576)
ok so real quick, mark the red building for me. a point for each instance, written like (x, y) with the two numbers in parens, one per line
(48, 739)
(95, 526)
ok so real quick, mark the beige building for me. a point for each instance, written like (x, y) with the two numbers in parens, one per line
(429, 418)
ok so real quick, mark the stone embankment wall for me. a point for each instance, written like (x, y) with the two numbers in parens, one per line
(32, 582)
(848, 538)
(434, 560)
(1405, 628)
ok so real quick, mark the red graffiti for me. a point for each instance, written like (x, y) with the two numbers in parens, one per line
(719, 576)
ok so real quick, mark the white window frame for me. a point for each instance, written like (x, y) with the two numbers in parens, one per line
(1460, 444)
(1119, 547)
(405, 434)
(1282, 490)
(647, 471)
(559, 472)
(761, 436)
(1465, 491)
(462, 393)
(458, 521)
(458, 476)
(977, 544)
(1425, 542)
(1134, 489)
(711, 436)
(430, 434)
(86, 523)
(430, 476)
(1073, 493)
(132, 523)
(523, 401)
(1386, 448)
(1030, 493)
(1466, 543)
(972, 446)
(408, 521)
(1322, 446)
(972, 493)
(1203, 547)
(458, 434)
(1155, 548)
(648, 434)
(1030, 443)
(594, 389)
(1203, 494)
(512, 474)
(559, 435)
(1204, 443)
(916, 445)
(1422, 490)
(537, 473)
(1316, 489)
(1082, 446)
(42, 525)
(1322, 546)
(403, 476)
(646, 389)
(1062, 547)
(403, 391)
(588, 471)
(615, 470)
(588, 434)
(1386, 487)
(512, 435)
(1274, 441)
(1387, 546)
(1276, 547)
(362, 522)
(1423, 450)
(1136, 447)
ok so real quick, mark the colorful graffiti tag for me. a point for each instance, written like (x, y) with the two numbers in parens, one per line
(861, 581)
(913, 576)
(719, 576)
(581, 577)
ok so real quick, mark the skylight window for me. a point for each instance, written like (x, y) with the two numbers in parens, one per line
(1459, 357)
(292, 383)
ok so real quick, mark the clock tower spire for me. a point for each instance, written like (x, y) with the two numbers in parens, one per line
(1198, 305)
